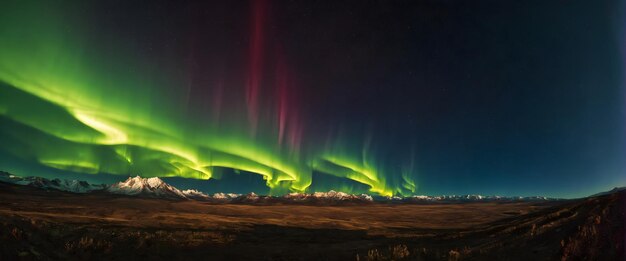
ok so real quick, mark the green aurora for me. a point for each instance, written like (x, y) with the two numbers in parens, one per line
(73, 105)
(390, 98)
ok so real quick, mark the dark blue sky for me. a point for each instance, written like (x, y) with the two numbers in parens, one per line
(480, 97)
(497, 97)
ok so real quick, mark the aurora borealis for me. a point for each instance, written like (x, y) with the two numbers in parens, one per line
(365, 101)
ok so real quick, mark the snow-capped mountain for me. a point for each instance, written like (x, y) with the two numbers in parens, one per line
(469, 198)
(195, 194)
(247, 198)
(75, 186)
(329, 196)
(251, 196)
(146, 187)
(225, 196)
(157, 188)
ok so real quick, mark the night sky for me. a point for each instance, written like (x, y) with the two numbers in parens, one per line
(379, 97)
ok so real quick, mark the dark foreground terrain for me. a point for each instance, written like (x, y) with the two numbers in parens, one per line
(42, 225)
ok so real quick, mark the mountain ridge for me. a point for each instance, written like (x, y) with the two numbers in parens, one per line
(155, 187)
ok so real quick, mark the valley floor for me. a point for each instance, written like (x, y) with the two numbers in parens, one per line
(52, 225)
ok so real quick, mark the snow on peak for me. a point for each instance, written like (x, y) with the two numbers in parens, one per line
(192, 192)
(150, 187)
(75, 186)
(195, 194)
(225, 196)
(157, 188)
(330, 195)
(366, 197)
(252, 195)
(155, 182)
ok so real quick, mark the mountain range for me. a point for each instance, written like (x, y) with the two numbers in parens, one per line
(156, 188)
(74, 186)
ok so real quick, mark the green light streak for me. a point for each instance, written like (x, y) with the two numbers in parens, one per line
(66, 105)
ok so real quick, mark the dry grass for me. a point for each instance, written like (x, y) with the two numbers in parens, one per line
(377, 219)
(52, 225)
